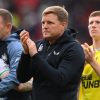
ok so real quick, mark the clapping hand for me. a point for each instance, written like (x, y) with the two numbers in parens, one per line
(89, 53)
(28, 45)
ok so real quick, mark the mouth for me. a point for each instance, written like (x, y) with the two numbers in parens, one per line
(93, 31)
(45, 32)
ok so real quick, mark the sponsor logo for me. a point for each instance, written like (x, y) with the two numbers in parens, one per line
(56, 53)
(40, 47)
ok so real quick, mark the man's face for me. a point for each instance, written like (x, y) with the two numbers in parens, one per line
(4, 28)
(94, 27)
(52, 28)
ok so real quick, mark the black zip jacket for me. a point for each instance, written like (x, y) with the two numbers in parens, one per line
(56, 68)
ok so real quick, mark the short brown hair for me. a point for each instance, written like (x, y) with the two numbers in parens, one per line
(61, 13)
(95, 13)
(6, 15)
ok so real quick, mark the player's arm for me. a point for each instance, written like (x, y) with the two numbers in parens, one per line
(90, 58)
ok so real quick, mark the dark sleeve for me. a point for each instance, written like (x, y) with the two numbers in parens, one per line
(70, 65)
(23, 70)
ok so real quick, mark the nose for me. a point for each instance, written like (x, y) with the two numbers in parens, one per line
(93, 24)
(45, 25)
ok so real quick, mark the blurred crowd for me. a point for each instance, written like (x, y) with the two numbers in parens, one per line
(27, 14)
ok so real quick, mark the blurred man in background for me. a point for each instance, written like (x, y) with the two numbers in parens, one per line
(10, 52)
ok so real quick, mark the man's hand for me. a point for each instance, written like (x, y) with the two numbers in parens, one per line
(32, 47)
(89, 53)
(24, 35)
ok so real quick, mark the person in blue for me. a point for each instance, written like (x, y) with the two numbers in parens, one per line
(10, 52)
(56, 61)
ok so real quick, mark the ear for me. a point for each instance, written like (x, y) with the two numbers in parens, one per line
(8, 27)
(65, 24)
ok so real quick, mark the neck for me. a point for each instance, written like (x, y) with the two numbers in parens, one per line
(6, 36)
(96, 44)
(54, 39)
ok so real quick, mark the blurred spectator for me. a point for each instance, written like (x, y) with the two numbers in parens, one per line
(27, 14)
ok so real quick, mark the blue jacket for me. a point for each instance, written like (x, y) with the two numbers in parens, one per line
(7, 85)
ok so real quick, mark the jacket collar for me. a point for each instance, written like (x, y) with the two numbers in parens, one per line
(68, 35)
